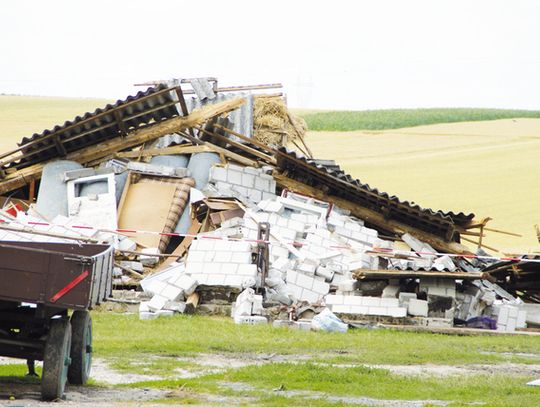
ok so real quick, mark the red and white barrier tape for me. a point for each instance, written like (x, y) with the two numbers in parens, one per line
(374, 251)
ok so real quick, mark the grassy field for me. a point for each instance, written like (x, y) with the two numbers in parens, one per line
(400, 118)
(198, 358)
(23, 116)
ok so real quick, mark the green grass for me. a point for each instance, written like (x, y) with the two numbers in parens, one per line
(400, 118)
(321, 369)
(125, 336)
(310, 380)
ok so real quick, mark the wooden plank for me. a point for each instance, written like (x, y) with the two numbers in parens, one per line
(135, 138)
(233, 156)
(246, 139)
(247, 149)
(372, 217)
(181, 149)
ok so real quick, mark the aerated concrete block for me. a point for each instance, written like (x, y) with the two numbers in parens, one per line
(418, 308)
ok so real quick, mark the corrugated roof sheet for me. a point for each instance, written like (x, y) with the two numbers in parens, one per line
(241, 118)
(152, 105)
(344, 185)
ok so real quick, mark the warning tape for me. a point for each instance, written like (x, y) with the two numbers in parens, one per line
(375, 251)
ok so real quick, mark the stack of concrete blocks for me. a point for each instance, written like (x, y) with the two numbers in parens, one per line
(509, 317)
(441, 296)
(251, 183)
(247, 308)
(356, 304)
(221, 263)
(472, 302)
(303, 286)
(169, 289)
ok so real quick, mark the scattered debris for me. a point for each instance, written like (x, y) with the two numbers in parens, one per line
(204, 217)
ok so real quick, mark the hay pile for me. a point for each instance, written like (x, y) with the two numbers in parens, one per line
(273, 124)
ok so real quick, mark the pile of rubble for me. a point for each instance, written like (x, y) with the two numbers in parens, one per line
(205, 217)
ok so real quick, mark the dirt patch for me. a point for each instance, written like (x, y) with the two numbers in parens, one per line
(13, 394)
(103, 374)
(314, 395)
(512, 369)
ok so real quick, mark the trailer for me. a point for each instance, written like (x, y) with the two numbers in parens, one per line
(46, 292)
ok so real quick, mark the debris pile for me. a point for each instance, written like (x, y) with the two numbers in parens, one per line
(207, 219)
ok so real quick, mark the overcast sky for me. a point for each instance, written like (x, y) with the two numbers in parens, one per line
(328, 54)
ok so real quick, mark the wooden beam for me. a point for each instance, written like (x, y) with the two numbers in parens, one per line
(181, 149)
(233, 156)
(247, 149)
(370, 216)
(246, 139)
(133, 139)
(362, 274)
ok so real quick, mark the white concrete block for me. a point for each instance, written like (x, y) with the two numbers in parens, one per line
(241, 257)
(250, 320)
(353, 300)
(304, 281)
(359, 309)
(223, 257)
(247, 270)
(147, 315)
(186, 283)
(262, 184)
(371, 301)
(202, 244)
(272, 186)
(229, 268)
(325, 272)
(248, 180)
(240, 246)
(156, 303)
(196, 256)
(155, 287)
(218, 174)
(521, 321)
(269, 195)
(254, 194)
(310, 296)
(511, 325)
(377, 311)
(215, 279)
(296, 225)
(143, 306)
(334, 299)
(348, 285)
(172, 292)
(390, 291)
(234, 280)
(291, 277)
(418, 308)
(234, 177)
(389, 302)
(405, 297)
(341, 309)
(397, 312)
(320, 287)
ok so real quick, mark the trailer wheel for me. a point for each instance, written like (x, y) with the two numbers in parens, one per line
(81, 347)
(56, 360)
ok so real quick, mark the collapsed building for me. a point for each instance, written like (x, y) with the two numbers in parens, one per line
(214, 203)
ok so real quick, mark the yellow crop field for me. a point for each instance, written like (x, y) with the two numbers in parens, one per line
(490, 168)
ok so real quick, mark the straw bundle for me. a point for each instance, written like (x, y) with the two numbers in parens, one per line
(273, 124)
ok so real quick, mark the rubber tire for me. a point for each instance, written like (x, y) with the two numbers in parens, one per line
(81, 348)
(56, 359)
